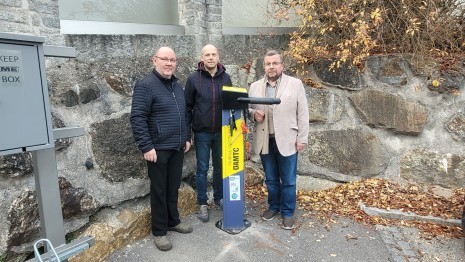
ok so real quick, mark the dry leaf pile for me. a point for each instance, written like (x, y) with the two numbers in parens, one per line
(380, 193)
(312, 83)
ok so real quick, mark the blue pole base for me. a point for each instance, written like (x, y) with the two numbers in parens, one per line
(233, 231)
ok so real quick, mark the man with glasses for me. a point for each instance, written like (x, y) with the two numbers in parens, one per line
(204, 112)
(280, 132)
(161, 132)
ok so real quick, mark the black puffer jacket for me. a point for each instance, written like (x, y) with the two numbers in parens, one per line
(158, 114)
(203, 98)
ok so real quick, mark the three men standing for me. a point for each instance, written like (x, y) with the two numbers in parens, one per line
(162, 116)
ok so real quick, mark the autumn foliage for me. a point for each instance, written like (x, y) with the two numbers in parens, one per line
(344, 200)
(351, 30)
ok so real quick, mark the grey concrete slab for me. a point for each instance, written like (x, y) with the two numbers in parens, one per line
(264, 241)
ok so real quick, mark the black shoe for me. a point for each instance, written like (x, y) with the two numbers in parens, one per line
(288, 223)
(269, 214)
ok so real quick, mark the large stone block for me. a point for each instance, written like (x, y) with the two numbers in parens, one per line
(69, 98)
(238, 75)
(450, 76)
(14, 3)
(210, 17)
(115, 150)
(52, 22)
(324, 106)
(72, 83)
(75, 201)
(389, 69)
(457, 127)
(393, 112)
(36, 19)
(15, 28)
(23, 215)
(344, 155)
(344, 77)
(214, 2)
(121, 74)
(15, 16)
(23, 218)
(116, 228)
(308, 183)
(89, 93)
(187, 200)
(433, 168)
(15, 165)
(253, 175)
(44, 6)
(189, 164)
(116, 83)
(120, 229)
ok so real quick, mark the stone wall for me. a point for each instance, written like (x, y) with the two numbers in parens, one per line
(387, 121)
(33, 17)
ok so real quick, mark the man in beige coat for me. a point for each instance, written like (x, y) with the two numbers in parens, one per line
(280, 132)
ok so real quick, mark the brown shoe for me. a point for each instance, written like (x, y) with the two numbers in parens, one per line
(288, 223)
(269, 214)
(162, 243)
(182, 228)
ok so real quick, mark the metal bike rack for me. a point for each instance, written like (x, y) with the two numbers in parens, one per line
(49, 246)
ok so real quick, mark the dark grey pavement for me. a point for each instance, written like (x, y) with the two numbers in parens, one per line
(345, 240)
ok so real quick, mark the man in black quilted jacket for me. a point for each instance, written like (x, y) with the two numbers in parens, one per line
(159, 126)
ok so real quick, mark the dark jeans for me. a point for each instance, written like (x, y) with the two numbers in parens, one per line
(165, 180)
(280, 180)
(204, 142)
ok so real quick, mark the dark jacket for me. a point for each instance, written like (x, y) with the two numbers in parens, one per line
(158, 114)
(203, 98)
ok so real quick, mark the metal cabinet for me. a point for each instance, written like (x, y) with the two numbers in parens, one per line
(25, 119)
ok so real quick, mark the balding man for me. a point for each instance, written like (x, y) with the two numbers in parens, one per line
(204, 111)
(161, 132)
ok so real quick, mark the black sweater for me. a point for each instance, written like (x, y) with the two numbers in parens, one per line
(158, 114)
(203, 98)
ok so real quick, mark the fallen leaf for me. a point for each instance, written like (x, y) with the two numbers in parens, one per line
(350, 237)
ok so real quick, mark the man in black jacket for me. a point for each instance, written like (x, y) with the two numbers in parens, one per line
(159, 126)
(204, 112)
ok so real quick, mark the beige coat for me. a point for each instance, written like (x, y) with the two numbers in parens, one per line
(290, 118)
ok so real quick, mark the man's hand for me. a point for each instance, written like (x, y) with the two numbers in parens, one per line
(299, 146)
(259, 116)
(151, 156)
(187, 147)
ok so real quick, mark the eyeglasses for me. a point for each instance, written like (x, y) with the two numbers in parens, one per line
(166, 60)
(274, 64)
